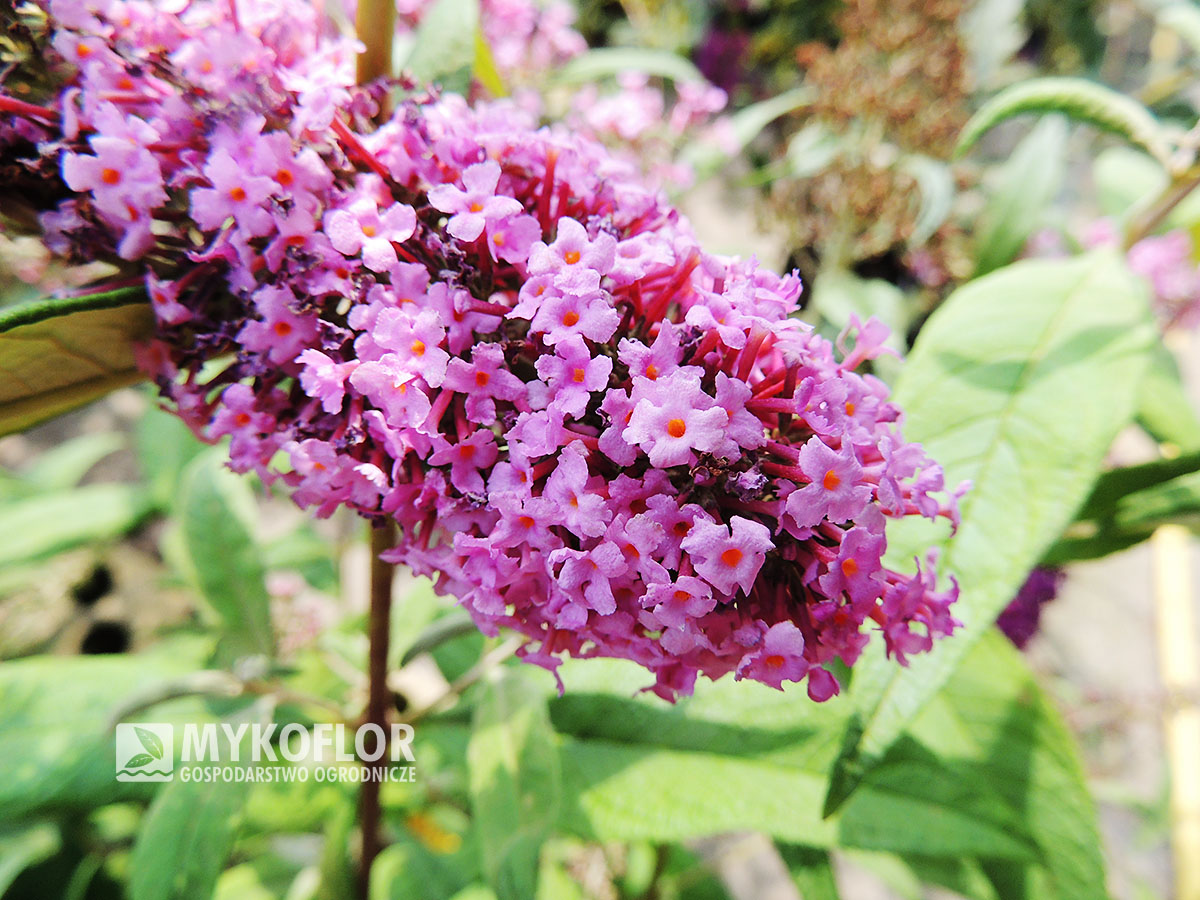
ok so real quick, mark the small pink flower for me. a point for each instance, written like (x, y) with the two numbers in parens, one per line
(729, 556)
(364, 227)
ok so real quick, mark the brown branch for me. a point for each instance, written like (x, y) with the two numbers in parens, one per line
(375, 23)
(383, 537)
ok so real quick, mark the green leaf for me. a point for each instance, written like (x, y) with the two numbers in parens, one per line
(1125, 179)
(1183, 19)
(1116, 484)
(745, 125)
(445, 42)
(39, 526)
(215, 510)
(1164, 409)
(56, 355)
(992, 33)
(406, 869)
(64, 466)
(1019, 382)
(515, 782)
(1078, 99)
(838, 294)
(184, 840)
(812, 871)
(55, 731)
(138, 760)
(484, 67)
(935, 183)
(994, 719)
(150, 741)
(453, 625)
(22, 846)
(607, 62)
(1128, 182)
(632, 767)
(164, 445)
(1026, 185)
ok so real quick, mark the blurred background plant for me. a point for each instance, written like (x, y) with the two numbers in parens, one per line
(890, 151)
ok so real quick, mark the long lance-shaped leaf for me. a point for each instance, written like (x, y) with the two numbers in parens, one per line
(1078, 99)
(1019, 382)
(56, 355)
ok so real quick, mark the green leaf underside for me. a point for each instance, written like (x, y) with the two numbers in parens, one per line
(1164, 409)
(606, 62)
(37, 527)
(55, 730)
(515, 782)
(57, 355)
(1027, 183)
(184, 840)
(994, 714)
(1077, 98)
(445, 42)
(215, 510)
(1019, 383)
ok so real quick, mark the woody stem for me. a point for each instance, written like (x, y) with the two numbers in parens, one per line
(375, 24)
(383, 537)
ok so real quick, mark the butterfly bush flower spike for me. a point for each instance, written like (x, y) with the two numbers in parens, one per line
(500, 335)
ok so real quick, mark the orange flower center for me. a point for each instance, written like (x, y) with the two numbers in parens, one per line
(571, 257)
(570, 318)
(850, 409)
(676, 428)
(731, 557)
(774, 661)
(849, 567)
(110, 176)
(283, 329)
(577, 376)
(682, 596)
(237, 194)
(369, 230)
(418, 348)
(482, 378)
(652, 372)
(831, 480)
(476, 207)
(285, 177)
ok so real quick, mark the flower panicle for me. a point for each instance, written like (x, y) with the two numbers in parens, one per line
(588, 429)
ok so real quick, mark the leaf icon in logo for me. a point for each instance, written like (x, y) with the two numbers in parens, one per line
(139, 760)
(150, 741)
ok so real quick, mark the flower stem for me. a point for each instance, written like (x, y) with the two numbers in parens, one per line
(1176, 192)
(375, 23)
(29, 110)
(383, 537)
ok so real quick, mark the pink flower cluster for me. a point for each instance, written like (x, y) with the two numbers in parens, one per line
(1168, 263)
(588, 429)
